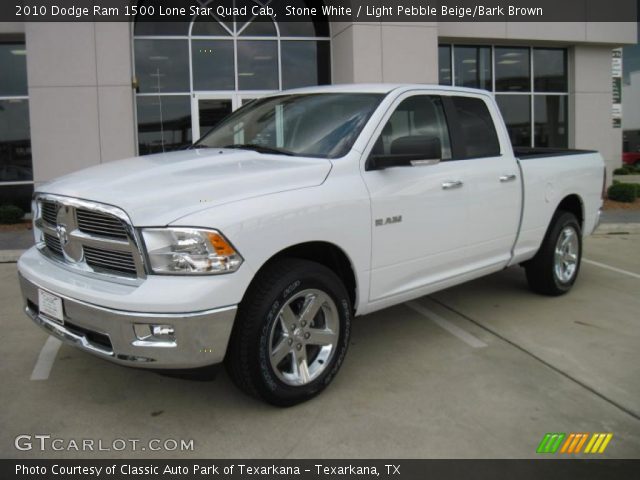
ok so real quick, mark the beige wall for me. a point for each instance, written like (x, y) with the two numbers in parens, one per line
(81, 102)
(590, 98)
(385, 52)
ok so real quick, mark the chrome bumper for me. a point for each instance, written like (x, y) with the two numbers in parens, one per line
(181, 341)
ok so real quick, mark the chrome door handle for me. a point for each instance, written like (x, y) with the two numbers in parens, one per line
(508, 178)
(452, 184)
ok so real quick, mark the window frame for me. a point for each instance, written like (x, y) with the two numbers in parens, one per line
(17, 183)
(531, 91)
(441, 96)
(234, 30)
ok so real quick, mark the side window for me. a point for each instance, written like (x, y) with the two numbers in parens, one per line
(477, 127)
(418, 122)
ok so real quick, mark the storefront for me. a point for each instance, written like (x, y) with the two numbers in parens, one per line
(74, 95)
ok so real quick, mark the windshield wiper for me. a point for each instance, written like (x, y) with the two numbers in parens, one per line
(260, 148)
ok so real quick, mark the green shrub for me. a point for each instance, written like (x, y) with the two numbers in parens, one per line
(622, 192)
(10, 214)
(621, 171)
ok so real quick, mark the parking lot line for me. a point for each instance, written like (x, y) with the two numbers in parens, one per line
(609, 267)
(46, 358)
(463, 335)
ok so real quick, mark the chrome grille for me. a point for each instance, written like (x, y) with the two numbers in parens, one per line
(53, 244)
(98, 223)
(49, 212)
(89, 237)
(100, 259)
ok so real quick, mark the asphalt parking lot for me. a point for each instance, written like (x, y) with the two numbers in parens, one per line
(482, 370)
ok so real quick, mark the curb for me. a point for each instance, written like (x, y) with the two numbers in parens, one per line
(10, 256)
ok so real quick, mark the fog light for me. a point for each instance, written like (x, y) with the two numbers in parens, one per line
(154, 333)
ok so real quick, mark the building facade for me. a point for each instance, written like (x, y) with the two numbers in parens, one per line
(73, 95)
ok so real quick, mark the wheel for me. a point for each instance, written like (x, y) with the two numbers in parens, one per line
(291, 333)
(554, 269)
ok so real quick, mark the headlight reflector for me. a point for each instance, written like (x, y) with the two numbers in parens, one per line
(189, 251)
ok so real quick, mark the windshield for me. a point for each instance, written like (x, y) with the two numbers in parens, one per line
(314, 125)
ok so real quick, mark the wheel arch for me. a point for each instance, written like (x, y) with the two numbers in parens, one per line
(325, 253)
(572, 203)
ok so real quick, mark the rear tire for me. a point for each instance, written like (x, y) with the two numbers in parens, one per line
(291, 333)
(554, 269)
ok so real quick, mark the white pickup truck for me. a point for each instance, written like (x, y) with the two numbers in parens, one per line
(258, 244)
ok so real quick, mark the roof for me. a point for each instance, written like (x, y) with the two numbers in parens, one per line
(380, 88)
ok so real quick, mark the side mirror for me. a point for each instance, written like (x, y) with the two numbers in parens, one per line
(415, 150)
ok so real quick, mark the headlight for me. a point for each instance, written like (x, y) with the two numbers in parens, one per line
(189, 251)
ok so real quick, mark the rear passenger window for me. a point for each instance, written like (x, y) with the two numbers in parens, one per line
(478, 129)
(417, 122)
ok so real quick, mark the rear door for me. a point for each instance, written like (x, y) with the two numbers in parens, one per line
(494, 183)
(421, 211)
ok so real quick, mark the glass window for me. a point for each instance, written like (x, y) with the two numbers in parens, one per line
(15, 141)
(305, 63)
(162, 66)
(550, 70)
(208, 26)
(213, 65)
(317, 125)
(444, 64)
(550, 114)
(516, 111)
(152, 28)
(259, 29)
(513, 72)
(164, 123)
(18, 195)
(481, 139)
(258, 65)
(473, 67)
(414, 125)
(13, 69)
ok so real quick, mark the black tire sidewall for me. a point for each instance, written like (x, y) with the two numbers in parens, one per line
(309, 276)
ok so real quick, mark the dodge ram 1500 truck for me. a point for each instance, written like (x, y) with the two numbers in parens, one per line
(258, 244)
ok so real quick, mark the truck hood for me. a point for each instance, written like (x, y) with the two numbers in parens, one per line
(156, 190)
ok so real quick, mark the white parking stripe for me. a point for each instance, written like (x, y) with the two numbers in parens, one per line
(45, 359)
(609, 267)
(463, 335)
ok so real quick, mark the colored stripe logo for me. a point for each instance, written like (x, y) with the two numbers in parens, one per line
(573, 443)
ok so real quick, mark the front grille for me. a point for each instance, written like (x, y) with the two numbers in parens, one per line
(110, 260)
(89, 237)
(49, 212)
(53, 244)
(98, 223)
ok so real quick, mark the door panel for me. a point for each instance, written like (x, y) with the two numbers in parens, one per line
(428, 244)
(494, 181)
(420, 213)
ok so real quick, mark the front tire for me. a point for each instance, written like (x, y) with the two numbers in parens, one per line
(291, 333)
(554, 269)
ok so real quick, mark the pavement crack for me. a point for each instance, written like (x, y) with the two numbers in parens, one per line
(587, 387)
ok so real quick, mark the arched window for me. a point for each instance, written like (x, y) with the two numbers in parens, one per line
(191, 74)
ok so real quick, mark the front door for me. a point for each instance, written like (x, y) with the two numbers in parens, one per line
(420, 212)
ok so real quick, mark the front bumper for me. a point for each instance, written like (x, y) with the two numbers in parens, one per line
(197, 339)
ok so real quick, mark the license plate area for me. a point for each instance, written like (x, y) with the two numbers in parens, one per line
(50, 305)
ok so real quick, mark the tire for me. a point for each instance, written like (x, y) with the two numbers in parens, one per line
(271, 336)
(553, 272)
